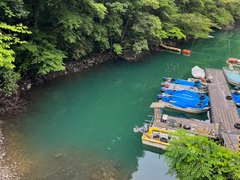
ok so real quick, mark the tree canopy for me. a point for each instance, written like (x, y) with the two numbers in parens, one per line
(39, 36)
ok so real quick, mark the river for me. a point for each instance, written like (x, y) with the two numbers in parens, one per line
(80, 127)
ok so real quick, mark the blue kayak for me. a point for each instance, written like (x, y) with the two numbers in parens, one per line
(184, 99)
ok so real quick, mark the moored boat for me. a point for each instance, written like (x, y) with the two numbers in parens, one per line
(197, 72)
(197, 83)
(232, 75)
(155, 136)
(171, 86)
(185, 101)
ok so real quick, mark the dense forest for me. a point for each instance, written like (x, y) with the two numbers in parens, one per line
(41, 35)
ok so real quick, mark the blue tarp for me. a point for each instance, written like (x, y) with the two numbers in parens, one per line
(185, 98)
(236, 98)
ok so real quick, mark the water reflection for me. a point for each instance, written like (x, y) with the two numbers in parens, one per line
(151, 162)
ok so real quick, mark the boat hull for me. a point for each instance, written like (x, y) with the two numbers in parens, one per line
(154, 143)
(172, 86)
(187, 110)
(148, 137)
(232, 76)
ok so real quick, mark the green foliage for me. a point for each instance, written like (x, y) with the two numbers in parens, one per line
(222, 20)
(195, 25)
(9, 36)
(197, 157)
(100, 36)
(13, 8)
(44, 56)
(7, 40)
(140, 45)
(118, 7)
(117, 49)
(155, 4)
(148, 26)
(8, 79)
(100, 9)
(176, 32)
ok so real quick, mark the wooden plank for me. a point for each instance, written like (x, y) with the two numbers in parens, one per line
(180, 122)
(222, 110)
(157, 105)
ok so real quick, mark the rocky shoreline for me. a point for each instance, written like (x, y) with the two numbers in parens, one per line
(8, 168)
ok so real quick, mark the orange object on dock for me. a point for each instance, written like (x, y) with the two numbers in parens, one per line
(233, 60)
(186, 52)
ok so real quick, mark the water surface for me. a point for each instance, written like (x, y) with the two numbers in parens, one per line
(81, 126)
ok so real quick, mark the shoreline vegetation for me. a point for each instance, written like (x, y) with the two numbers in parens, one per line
(42, 40)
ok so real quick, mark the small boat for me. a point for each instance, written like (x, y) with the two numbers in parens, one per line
(154, 136)
(232, 75)
(170, 86)
(190, 83)
(185, 101)
(197, 72)
(160, 137)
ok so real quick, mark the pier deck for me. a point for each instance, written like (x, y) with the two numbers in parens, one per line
(223, 111)
(173, 123)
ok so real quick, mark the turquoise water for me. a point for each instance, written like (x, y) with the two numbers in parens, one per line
(81, 126)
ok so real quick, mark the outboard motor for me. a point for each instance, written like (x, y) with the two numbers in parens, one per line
(163, 89)
(165, 78)
(172, 80)
(159, 97)
(145, 128)
(163, 84)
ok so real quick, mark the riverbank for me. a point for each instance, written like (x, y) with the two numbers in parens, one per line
(8, 168)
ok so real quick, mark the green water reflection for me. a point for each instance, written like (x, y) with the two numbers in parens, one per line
(81, 126)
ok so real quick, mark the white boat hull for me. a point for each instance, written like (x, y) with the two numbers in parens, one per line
(232, 76)
(187, 110)
(173, 86)
(197, 72)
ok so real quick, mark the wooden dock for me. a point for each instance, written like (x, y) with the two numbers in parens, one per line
(223, 114)
(172, 123)
(223, 111)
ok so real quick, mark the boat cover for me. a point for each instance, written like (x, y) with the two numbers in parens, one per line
(236, 97)
(185, 99)
(197, 72)
(186, 82)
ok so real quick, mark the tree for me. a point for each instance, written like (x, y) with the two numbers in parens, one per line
(195, 25)
(9, 36)
(197, 157)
